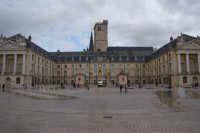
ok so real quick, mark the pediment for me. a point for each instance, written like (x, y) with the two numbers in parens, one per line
(190, 45)
(11, 46)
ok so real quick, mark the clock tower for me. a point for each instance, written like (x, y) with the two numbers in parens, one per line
(101, 36)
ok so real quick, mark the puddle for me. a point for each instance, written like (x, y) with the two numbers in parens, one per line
(44, 96)
(169, 98)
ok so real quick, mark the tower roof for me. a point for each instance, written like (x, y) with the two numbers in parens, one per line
(91, 46)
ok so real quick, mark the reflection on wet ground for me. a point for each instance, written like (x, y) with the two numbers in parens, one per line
(49, 95)
(170, 97)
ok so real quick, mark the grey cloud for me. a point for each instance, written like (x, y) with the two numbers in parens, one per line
(133, 23)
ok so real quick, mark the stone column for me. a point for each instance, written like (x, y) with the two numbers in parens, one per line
(15, 64)
(187, 63)
(4, 64)
(179, 64)
(24, 64)
(199, 63)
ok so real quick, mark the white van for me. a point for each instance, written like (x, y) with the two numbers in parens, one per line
(100, 83)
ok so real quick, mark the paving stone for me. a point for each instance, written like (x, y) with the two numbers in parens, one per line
(99, 110)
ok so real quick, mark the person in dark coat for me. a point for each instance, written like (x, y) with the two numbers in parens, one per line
(120, 88)
(3, 86)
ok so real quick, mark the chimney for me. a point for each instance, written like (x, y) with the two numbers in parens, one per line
(105, 21)
(171, 39)
(58, 51)
(29, 38)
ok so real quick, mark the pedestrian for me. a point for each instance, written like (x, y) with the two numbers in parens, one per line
(88, 87)
(125, 89)
(3, 86)
(74, 85)
(120, 88)
(62, 85)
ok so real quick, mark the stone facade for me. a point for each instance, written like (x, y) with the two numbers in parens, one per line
(101, 36)
(23, 62)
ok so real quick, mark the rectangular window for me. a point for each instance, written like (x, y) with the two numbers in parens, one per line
(32, 57)
(42, 70)
(19, 68)
(184, 79)
(72, 66)
(58, 73)
(128, 71)
(136, 72)
(183, 68)
(112, 71)
(72, 73)
(38, 70)
(58, 66)
(65, 73)
(99, 28)
(65, 66)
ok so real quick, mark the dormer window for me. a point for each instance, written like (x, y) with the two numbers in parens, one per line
(127, 59)
(120, 58)
(135, 58)
(72, 58)
(86, 58)
(112, 58)
(79, 58)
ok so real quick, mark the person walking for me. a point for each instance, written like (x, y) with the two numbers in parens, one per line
(3, 86)
(125, 89)
(88, 87)
(120, 88)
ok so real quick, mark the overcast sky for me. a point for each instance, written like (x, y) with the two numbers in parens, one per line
(66, 24)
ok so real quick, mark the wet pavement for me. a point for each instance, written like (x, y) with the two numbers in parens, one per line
(172, 98)
(99, 110)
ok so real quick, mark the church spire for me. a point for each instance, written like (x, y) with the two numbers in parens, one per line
(91, 46)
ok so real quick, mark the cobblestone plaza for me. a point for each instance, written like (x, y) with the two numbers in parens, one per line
(103, 110)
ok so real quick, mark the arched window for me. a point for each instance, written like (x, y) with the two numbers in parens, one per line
(18, 80)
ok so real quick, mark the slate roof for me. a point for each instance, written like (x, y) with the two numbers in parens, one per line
(114, 54)
(130, 49)
(91, 46)
(168, 46)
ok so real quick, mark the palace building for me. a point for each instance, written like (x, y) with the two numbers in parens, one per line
(176, 63)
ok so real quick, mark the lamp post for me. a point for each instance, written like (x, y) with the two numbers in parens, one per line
(169, 73)
(64, 76)
(139, 77)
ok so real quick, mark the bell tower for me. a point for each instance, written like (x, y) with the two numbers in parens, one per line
(101, 36)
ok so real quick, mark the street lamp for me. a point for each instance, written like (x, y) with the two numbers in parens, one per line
(139, 82)
(169, 72)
